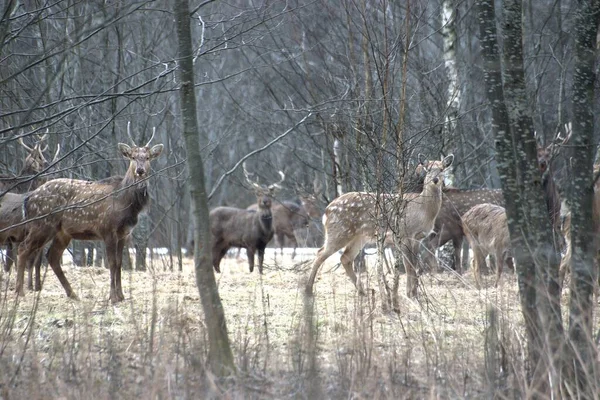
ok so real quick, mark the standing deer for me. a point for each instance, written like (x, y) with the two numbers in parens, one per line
(448, 224)
(238, 227)
(486, 230)
(13, 231)
(287, 216)
(350, 222)
(28, 179)
(65, 209)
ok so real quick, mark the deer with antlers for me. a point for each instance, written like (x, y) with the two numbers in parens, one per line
(64, 209)
(238, 227)
(351, 222)
(28, 179)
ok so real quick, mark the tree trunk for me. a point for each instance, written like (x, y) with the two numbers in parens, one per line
(584, 273)
(528, 220)
(140, 239)
(220, 355)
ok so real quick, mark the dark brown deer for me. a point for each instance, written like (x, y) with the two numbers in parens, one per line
(486, 230)
(249, 229)
(351, 222)
(287, 217)
(13, 231)
(65, 209)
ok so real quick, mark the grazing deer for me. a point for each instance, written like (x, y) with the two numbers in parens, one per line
(486, 230)
(350, 222)
(65, 209)
(238, 227)
(287, 216)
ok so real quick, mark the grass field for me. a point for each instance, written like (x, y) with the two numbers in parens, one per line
(153, 345)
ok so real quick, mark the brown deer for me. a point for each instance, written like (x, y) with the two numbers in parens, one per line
(287, 216)
(350, 222)
(65, 209)
(448, 224)
(28, 179)
(13, 231)
(238, 227)
(486, 230)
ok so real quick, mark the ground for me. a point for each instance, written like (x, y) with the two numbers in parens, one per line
(153, 345)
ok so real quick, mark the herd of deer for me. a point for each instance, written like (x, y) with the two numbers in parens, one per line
(35, 211)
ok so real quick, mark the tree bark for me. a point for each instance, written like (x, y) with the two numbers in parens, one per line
(584, 272)
(529, 224)
(220, 355)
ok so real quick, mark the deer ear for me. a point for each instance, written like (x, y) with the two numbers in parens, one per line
(422, 159)
(156, 150)
(125, 150)
(448, 161)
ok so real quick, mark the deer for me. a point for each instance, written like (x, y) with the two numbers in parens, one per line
(64, 209)
(350, 223)
(249, 229)
(448, 225)
(287, 216)
(13, 230)
(486, 230)
(28, 179)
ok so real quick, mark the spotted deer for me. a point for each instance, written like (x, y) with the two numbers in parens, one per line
(486, 230)
(64, 209)
(28, 179)
(351, 222)
(448, 224)
(13, 231)
(239, 227)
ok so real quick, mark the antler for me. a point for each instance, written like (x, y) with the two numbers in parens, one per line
(151, 137)
(20, 140)
(129, 132)
(56, 154)
(276, 184)
(248, 175)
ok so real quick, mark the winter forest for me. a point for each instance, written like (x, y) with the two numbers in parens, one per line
(383, 116)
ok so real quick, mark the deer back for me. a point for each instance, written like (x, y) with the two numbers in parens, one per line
(486, 227)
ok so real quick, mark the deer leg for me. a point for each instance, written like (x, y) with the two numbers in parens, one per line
(111, 256)
(261, 257)
(457, 242)
(118, 269)
(347, 259)
(54, 256)
(35, 241)
(478, 261)
(409, 258)
(250, 255)
(280, 240)
(37, 265)
(10, 254)
(322, 255)
(500, 258)
(294, 242)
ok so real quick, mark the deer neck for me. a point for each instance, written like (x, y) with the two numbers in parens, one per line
(133, 192)
(265, 219)
(432, 196)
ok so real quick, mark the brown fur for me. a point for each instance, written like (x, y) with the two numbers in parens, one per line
(237, 227)
(66, 209)
(350, 223)
(287, 216)
(487, 232)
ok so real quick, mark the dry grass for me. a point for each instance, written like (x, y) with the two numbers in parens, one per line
(153, 345)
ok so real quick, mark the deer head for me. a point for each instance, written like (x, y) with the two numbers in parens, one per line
(35, 162)
(264, 194)
(139, 157)
(545, 154)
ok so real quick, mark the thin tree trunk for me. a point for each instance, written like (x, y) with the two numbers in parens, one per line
(220, 355)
